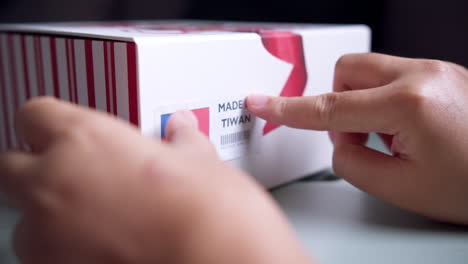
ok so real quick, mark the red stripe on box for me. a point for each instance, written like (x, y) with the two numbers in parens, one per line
(111, 100)
(69, 70)
(73, 65)
(90, 73)
(67, 55)
(25, 67)
(132, 83)
(106, 74)
(38, 61)
(5, 111)
(3, 126)
(14, 76)
(53, 58)
(39, 68)
(114, 86)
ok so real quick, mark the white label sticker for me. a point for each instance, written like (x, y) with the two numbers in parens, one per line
(226, 122)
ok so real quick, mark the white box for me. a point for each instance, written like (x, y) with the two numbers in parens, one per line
(142, 71)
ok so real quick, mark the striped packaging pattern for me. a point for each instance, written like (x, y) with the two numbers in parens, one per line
(95, 73)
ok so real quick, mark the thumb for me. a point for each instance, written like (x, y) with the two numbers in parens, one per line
(372, 171)
(16, 184)
(182, 132)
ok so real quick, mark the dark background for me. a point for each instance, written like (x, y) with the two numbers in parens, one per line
(412, 28)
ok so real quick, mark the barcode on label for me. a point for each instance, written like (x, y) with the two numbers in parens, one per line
(236, 137)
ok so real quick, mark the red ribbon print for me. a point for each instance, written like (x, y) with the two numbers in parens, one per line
(287, 46)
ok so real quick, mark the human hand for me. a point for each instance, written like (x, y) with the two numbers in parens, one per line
(420, 110)
(94, 190)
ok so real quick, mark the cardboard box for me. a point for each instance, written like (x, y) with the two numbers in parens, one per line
(144, 71)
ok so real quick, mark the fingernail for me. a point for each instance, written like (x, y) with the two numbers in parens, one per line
(184, 117)
(257, 101)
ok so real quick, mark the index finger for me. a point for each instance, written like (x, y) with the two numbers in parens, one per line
(360, 111)
(354, 107)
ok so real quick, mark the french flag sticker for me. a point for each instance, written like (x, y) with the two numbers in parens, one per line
(202, 114)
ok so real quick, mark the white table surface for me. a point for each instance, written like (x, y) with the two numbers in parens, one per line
(340, 224)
